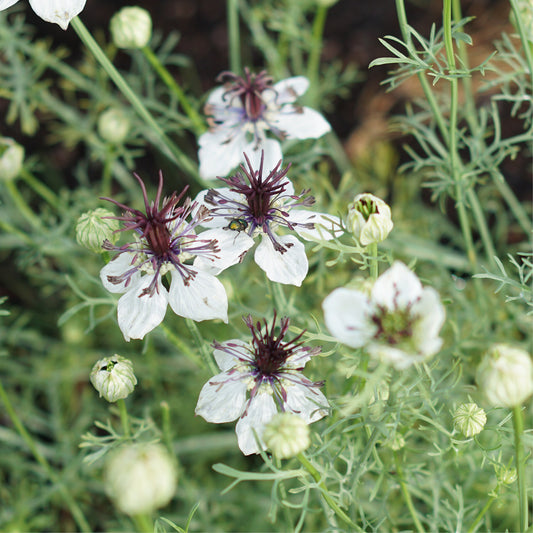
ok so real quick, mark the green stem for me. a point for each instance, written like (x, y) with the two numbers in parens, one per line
(523, 37)
(42, 190)
(182, 346)
(232, 10)
(75, 510)
(481, 514)
(202, 346)
(171, 149)
(325, 494)
(171, 83)
(518, 425)
(143, 523)
(21, 204)
(313, 63)
(374, 263)
(107, 173)
(124, 418)
(407, 495)
(167, 428)
(8, 228)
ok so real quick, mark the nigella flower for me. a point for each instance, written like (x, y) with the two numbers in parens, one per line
(254, 205)
(243, 110)
(165, 242)
(57, 11)
(258, 380)
(398, 322)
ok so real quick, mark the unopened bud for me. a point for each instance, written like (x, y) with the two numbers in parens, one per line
(93, 228)
(113, 378)
(369, 219)
(11, 158)
(113, 126)
(131, 27)
(140, 478)
(286, 435)
(469, 419)
(505, 376)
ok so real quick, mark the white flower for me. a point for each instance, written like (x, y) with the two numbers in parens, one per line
(398, 323)
(57, 11)
(113, 377)
(243, 110)
(257, 381)
(165, 243)
(140, 478)
(254, 205)
(369, 219)
(506, 375)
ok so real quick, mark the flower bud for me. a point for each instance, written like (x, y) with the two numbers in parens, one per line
(93, 228)
(131, 27)
(11, 159)
(505, 375)
(140, 478)
(506, 475)
(113, 126)
(286, 435)
(469, 419)
(369, 219)
(113, 377)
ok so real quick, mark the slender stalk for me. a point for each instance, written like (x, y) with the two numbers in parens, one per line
(313, 63)
(107, 172)
(202, 346)
(523, 37)
(374, 263)
(518, 425)
(124, 418)
(42, 190)
(75, 510)
(170, 148)
(8, 228)
(481, 514)
(21, 204)
(325, 494)
(171, 83)
(166, 426)
(143, 523)
(232, 10)
(182, 346)
(407, 495)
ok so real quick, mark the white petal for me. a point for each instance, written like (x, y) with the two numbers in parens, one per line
(226, 360)
(431, 312)
(272, 151)
(260, 411)
(289, 267)
(58, 11)
(290, 89)
(202, 298)
(222, 398)
(232, 244)
(215, 97)
(301, 123)
(397, 287)
(219, 153)
(326, 226)
(218, 221)
(115, 268)
(4, 4)
(308, 403)
(138, 315)
(346, 314)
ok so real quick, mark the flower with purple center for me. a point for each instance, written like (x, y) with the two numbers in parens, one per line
(165, 242)
(241, 113)
(255, 204)
(258, 380)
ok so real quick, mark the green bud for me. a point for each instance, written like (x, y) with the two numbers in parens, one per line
(469, 419)
(131, 27)
(113, 126)
(11, 159)
(369, 219)
(140, 478)
(93, 228)
(286, 435)
(113, 378)
(505, 376)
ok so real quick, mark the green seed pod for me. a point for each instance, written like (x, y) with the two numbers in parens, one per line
(11, 158)
(131, 27)
(469, 419)
(113, 126)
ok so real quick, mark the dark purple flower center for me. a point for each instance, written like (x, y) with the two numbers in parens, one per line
(248, 89)
(271, 351)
